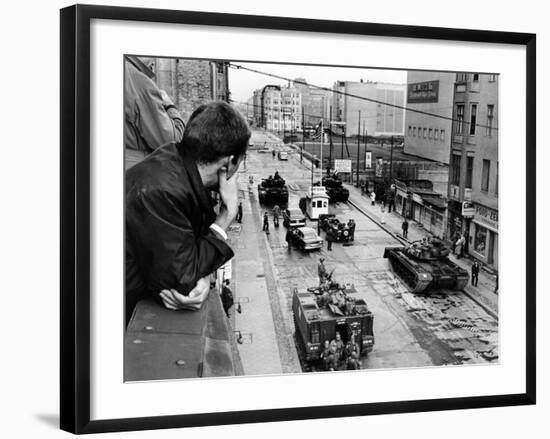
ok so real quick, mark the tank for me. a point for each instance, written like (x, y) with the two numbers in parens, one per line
(320, 312)
(273, 190)
(334, 188)
(425, 266)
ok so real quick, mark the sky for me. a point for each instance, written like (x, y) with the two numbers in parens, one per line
(242, 83)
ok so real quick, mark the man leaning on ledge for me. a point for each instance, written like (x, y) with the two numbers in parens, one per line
(174, 239)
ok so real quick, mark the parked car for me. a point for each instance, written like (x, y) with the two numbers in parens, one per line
(293, 218)
(305, 238)
(283, 155)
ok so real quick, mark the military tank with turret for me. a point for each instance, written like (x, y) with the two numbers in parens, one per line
(273, 190)
(334, 188)
(425, 266)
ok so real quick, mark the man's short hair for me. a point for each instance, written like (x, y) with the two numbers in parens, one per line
(213, 131)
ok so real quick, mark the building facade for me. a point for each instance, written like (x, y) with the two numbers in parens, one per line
(376, 119)
(473, 166)
(315, 102)
(189, 82)
(427, 136)
(278, 108)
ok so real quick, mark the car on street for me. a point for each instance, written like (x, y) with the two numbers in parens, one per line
(341, 231)
(283, 155)
(305, 238)
(293, 218)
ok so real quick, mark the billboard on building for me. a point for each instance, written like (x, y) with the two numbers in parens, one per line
(423, 92)
(342, 165)
(368, 159)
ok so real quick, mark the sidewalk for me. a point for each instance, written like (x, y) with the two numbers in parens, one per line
(484, 292)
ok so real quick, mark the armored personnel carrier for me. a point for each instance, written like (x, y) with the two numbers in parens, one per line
(334, 188)
(273, 190)
(320, 312)
(425, 266)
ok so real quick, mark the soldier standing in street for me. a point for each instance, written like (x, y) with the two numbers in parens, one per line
(322, 270)
(227, 298)
(266, 223)
(288, 238)
(351, 225)
(329, 237)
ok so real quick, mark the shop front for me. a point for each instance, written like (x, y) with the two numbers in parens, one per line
(484, 231)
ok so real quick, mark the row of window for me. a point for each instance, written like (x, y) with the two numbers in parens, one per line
(473, 120)
(427, 133)
(463, 77)
(454, 177)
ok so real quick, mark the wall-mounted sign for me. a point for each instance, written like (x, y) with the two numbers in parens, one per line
(342, 165)
(423, 92)
(486, 216)
(468, 209)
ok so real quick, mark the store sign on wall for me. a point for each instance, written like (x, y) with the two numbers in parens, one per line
(486, 216)
(422, 92)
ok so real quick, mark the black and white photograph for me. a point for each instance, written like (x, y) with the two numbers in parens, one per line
(284, 218)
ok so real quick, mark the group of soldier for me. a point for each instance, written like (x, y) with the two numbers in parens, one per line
(338, 356)
(331, 234)
(331, 294)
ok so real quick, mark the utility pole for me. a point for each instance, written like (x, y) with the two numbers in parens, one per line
(303, 135)
(330, 137)
(358, 148)
(391, 159)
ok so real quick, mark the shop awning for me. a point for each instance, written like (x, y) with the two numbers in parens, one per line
(435, 201)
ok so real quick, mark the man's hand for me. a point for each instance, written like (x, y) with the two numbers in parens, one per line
(229, 193)
(197, 296)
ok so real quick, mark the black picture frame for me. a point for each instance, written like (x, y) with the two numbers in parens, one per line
(75, 217)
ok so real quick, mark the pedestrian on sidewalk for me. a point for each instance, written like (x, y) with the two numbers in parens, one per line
(475, 273)
(383, 215)
(273, 154)
(288, 238)
(405, 228)
(227, 298)
(240, 213)
(459, 247)
(266, 223)
(372, 198)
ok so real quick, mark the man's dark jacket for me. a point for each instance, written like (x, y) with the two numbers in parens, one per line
(168, 214)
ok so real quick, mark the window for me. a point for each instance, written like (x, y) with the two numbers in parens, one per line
(469, 171)
(455, 169)
(442, 135)
(490, 117)
(430, 133)
(480, 239)
(410, 130)
(492, 78)
(461, 77)
(424, 130)
(436, 134)
(485, 175)
(459, 119)
(473, 116)
(414, 131)
(475, 77)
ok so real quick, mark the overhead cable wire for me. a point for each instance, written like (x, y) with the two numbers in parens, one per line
(376, 101)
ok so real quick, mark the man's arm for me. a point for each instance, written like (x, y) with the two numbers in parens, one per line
(179, 255)
(159, 121)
